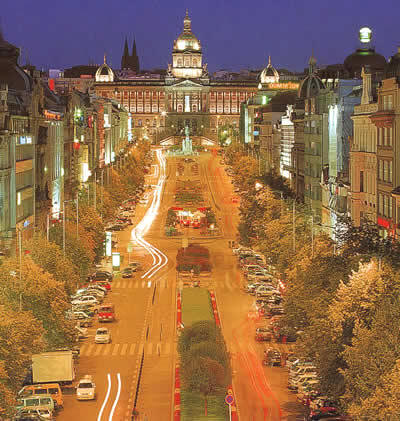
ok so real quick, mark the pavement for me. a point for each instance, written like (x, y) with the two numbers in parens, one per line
(146, 318)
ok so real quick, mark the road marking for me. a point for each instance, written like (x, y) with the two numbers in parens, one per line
(143, 284)
(116, 398)
(141, 347)
(123, 349)
(98, 350)
(107, 349)
(106, 398)
(167, 348)
(115, 350)
(132, 349)
(149, 348)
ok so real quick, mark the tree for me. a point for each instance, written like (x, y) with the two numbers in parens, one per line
(50, 258)
(383, 403)
(21, 335)
(38, 292)
(204, 375)
(78, 250)
(198, 332)
(373, 352)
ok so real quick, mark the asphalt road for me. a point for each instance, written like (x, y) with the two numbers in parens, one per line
(146, 314)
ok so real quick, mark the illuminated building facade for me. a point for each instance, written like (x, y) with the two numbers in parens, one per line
(161, 107)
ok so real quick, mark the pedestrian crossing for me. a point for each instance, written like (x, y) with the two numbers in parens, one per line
(126, 349)
(139, 283)
(227, 284)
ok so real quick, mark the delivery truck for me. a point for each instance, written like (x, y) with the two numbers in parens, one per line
(53, 367)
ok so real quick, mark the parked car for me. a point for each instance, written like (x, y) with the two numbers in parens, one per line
(101, 275)
(265, 290)
(87, 299)
(103, 284)
(135, 266)
(273, 310)
(272, 357)
(127, 272)
(103, 336)
(37, 413)
(86, 388)
(106, 313)
(115, 227)
(263, 334)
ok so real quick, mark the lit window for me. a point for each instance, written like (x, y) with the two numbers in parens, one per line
(19, 198)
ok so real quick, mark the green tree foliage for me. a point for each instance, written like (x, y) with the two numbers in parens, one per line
(199, 332)
(172, 218)
(50, 258)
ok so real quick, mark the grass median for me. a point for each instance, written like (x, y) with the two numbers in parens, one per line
(196, 306)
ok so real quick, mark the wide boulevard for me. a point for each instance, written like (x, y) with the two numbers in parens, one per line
(144, 335)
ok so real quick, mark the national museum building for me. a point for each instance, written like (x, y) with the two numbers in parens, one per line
(161, 106)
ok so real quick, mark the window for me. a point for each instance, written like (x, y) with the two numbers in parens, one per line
(139, 123)
(187, 103)
(361, 181)
(380, 170)
(380, 204)
(385, 170)
(194, 62)
(389, 136)
(388, 102)
(390, 170)
(180, 62)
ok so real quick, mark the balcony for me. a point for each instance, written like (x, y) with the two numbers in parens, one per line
(383, 118)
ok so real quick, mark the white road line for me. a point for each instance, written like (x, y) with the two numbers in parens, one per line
(140, 350)
(115, 350)
(105, 399)
(107, 349)
(116, 398)
(123, 349)
(149, 348)
(132, 349)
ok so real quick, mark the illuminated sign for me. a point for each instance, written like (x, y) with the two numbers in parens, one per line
(116, 260)
(287, 85)
(256, 133)
(383, 222)
(52, 115)
(108, 243)
(365, 34)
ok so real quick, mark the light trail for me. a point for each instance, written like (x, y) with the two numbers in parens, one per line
(159, 258)
(116, 398)
(105, 399)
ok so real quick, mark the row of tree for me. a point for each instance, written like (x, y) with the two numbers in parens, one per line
(35, 286)
(205, 365)
(342, 298)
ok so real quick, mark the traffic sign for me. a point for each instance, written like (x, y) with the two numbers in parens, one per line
(229, 399)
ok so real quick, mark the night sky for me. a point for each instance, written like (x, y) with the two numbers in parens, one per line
(234, 34)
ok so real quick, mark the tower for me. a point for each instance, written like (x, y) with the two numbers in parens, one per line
(125, 56)
(134, 59)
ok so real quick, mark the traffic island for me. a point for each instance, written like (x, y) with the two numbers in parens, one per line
(204, 373)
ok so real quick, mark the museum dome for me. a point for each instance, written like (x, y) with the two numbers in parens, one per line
(10, 72)
(312, 84)
(393, 66)
(269, 74)
(364, 56)
(104, 73)
(187, 41)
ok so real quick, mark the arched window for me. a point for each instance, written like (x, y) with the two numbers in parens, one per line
(194, 108)
(179, 62)
(179, 108)
(140, 123)
(147, 122)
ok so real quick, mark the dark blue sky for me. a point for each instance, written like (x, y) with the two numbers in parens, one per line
(234, 34)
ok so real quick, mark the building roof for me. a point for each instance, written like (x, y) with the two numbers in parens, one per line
(10, 72)
(364, 57)
(393, 66)
(311, 84)
(187, 41)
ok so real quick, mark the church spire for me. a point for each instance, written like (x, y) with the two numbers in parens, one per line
(187, 23)
(311, 63)
(134, 58)
(125, 55)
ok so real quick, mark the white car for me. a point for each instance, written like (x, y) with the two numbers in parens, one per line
(103, 336)
(86, 299)
(258, 275)
(86, 389)
(265, 291)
